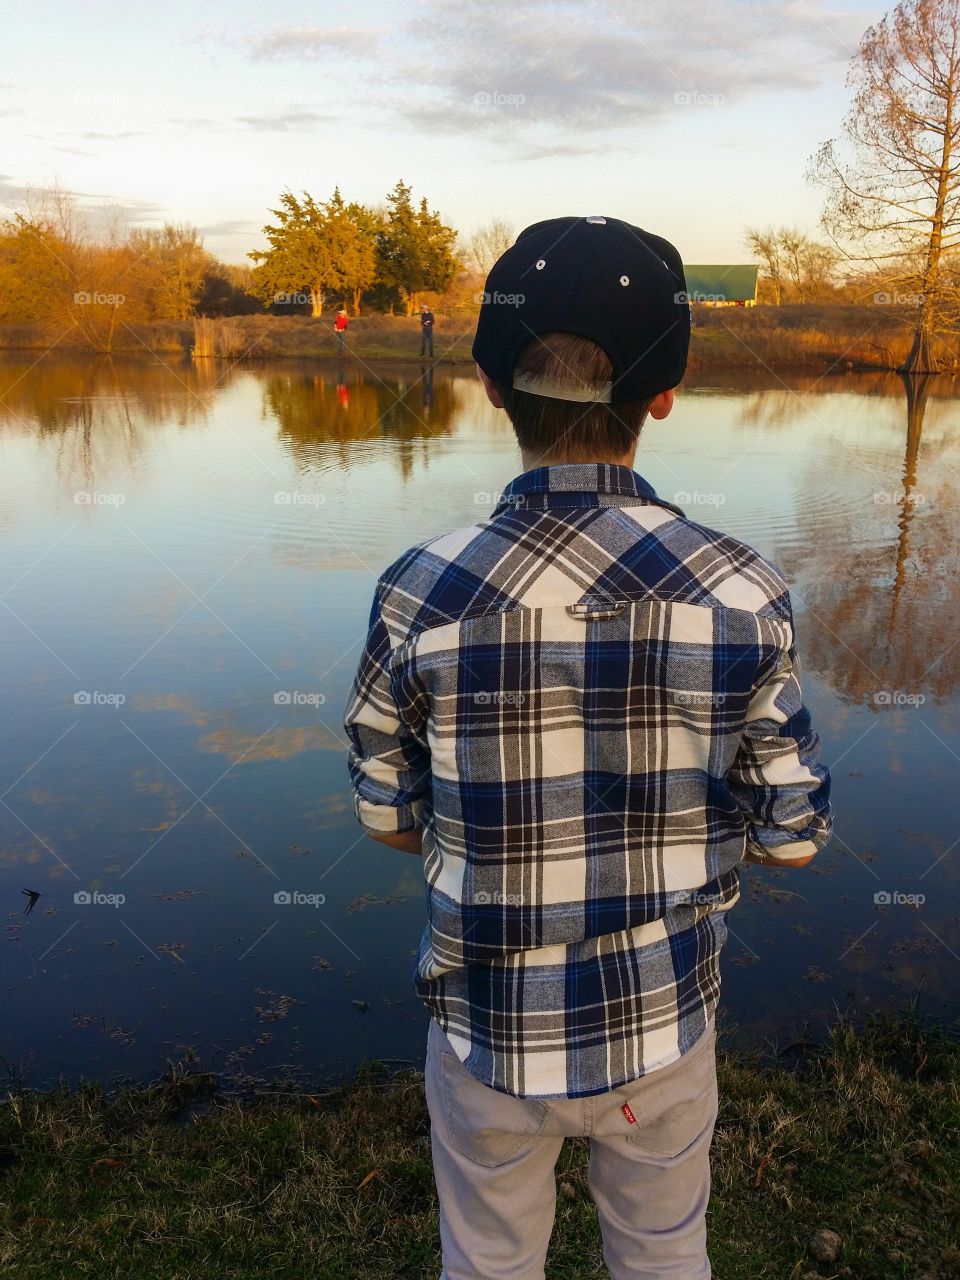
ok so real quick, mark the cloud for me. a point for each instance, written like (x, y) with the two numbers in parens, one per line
(109, 137)
(563, 64)
(229, 227)
(311, 43)
(284, 121)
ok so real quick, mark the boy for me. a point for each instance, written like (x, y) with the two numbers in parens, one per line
(583, 712)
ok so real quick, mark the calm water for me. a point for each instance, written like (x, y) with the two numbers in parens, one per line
(188, 561)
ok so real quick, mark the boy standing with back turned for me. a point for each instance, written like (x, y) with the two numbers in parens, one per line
(584, 713)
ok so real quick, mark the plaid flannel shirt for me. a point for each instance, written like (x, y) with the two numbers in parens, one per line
(591, 706)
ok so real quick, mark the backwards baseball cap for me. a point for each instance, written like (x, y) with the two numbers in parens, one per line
(598, 278)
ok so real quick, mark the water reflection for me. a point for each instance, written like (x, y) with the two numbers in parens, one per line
(223, 595)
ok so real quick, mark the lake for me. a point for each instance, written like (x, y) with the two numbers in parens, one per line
(189, 556)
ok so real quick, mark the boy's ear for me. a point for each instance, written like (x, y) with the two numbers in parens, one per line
(493, 395)
(661, 404)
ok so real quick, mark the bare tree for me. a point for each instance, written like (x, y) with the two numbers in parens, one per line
(487, 244)
(766, 246)
(894, 178)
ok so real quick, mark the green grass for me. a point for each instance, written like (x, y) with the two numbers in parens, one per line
(178, 1181)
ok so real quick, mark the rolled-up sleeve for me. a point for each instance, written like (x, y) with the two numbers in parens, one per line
(777, 778)
(389, 766)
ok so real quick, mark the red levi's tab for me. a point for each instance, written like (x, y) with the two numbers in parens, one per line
(628, 1113)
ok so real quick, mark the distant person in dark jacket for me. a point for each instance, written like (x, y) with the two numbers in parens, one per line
(426, 331)
(340, 326)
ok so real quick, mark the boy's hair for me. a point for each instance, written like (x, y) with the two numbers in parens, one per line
(567, 430)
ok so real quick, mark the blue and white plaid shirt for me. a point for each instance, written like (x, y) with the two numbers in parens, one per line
(591, 706)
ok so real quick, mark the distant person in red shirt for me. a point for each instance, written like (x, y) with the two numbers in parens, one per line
(340, 326)
(426, 331)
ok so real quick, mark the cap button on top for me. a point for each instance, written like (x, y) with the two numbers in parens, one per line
(597, 220)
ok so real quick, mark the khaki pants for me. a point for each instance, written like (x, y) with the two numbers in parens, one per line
(494, 1158)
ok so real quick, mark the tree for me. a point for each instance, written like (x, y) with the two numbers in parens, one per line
(414, 248)
(793, 263)
(173, 266)
(893, 182)
(488, 244)
(766, 246)
(298, 260)
(355, 236)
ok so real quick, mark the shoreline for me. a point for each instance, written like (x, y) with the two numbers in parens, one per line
(858, 1136)
(799, 337)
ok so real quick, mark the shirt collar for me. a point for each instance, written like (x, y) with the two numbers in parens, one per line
(578, 484)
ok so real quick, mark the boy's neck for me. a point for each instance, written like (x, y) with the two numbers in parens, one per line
(531, 461)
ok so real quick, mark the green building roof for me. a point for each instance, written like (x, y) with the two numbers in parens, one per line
(730, 283)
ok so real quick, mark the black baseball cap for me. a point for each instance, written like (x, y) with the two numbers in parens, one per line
(599, 278)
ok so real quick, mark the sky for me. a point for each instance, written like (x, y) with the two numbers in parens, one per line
(693, 119)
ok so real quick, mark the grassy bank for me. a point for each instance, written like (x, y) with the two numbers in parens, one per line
(803, 336)
(860, 1137)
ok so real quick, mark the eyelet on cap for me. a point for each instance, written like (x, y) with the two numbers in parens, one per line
(540, 264)
(624, 280)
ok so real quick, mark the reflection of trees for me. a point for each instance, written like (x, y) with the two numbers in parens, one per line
(96, 411)
(775, 400)
(345, 406)
(884, 608)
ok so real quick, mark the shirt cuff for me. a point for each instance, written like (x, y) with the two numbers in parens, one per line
(384, 819)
